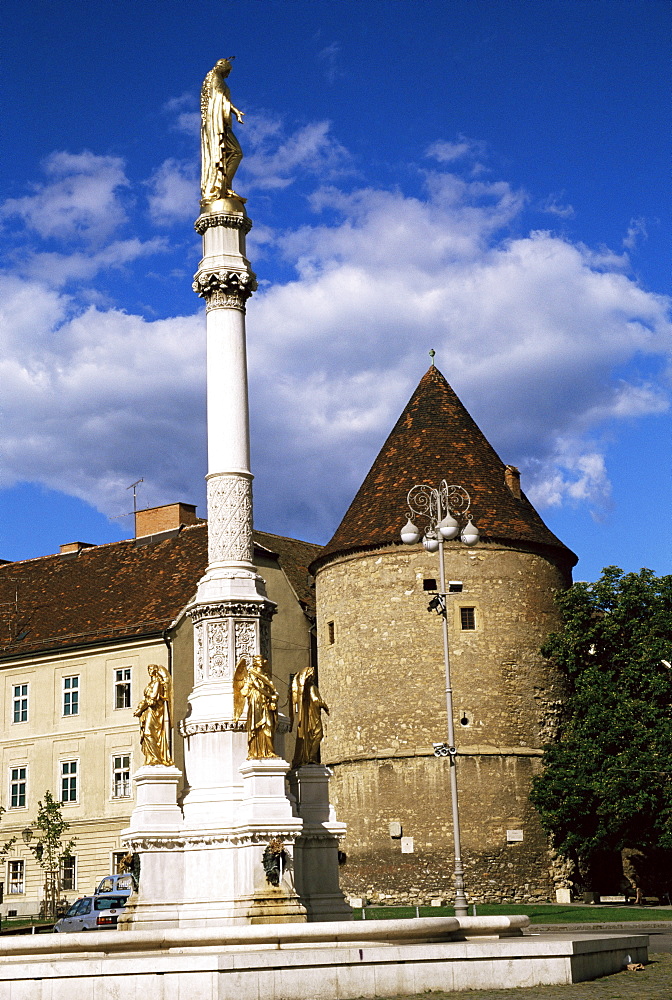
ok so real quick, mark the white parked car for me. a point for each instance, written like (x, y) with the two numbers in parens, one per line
(93, 913)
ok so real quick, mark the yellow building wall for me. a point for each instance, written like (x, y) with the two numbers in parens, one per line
(99, 731)
(92, 737)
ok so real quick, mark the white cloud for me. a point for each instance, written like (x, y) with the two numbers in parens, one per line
(183, 111)
(330, 56)
(636, 231)
(570, 475)
(79, 201)
(174, 192)
(276, 159)
(530, 331)
(450, 152)
(553, 205)
(59, 268)
(92, 399)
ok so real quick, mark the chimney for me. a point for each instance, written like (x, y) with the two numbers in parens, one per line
(169, 517)
(512, 479)
(73, 548)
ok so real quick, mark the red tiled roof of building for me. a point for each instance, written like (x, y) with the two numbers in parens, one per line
(434, 439)
(111, 592)
(295, 558)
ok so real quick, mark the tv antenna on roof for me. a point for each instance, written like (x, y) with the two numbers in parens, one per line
(133, 487)
(119, 517)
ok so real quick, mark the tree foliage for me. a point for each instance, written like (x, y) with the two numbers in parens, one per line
(607, 780)
(50, 849)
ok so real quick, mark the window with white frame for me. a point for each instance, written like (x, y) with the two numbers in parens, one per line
(20, 703)
(69, 779)
(68, 873)
(122, 688)
(17, 787)
(71, 695)
(16, 877)
(121, 776)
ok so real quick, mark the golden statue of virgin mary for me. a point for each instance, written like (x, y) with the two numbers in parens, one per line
(220, 150)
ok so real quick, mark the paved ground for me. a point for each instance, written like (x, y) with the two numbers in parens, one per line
(654, 983)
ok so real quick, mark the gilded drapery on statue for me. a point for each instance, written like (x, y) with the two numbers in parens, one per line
(220, 150)
(253, 684)
(155, 713)
(306, 705)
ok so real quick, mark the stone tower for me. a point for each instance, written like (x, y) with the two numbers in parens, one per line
(381, 661)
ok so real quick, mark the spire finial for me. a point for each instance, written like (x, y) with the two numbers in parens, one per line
(431, 354)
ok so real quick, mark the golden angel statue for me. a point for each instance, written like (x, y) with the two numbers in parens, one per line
(155, 712)
(253, 684)
(306, 705)
(220, 150)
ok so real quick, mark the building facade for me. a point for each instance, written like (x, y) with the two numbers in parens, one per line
(381, 662)
(77, 633)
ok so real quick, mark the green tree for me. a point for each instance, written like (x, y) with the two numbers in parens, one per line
(50, 850)
(606, 784)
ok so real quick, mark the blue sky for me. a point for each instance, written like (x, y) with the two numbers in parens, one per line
(487, 179)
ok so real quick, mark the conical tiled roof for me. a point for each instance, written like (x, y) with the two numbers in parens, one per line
(435, 439)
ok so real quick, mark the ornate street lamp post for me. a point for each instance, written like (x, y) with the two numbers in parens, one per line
(438, 507)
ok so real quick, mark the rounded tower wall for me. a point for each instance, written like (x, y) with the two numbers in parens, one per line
(413, 792)
(382, 673)
(384, 668)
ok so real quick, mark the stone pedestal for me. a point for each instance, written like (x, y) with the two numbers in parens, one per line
(155, 835)
(224, 878)
(316, 850)
(156, 809)
(211, 873)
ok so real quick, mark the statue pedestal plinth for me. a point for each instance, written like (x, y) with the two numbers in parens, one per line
(266, 815)
(316, 850)
(156, 805)
(155, 835)
(265, 800)
(225, 881)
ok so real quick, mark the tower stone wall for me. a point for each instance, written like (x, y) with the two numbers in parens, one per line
(385, 671)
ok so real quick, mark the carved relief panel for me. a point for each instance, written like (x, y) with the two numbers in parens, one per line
(229, 519)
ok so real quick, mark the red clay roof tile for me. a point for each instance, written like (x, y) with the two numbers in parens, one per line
(434, 439)
(120, 590)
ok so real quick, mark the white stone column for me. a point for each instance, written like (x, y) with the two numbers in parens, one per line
(231, 613)
(232, 807)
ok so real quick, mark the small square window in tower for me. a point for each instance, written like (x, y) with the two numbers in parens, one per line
(467, 619)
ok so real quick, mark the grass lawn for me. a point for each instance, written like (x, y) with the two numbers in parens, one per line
(545, 913)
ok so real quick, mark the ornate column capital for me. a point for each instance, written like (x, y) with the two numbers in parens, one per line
(204, 222)
(224, 288)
